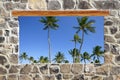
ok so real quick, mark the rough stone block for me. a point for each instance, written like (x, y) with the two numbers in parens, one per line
(24, 77)
(117, 35)
(107, 4)
(115, 49)
(117, 59)
(12, 77)
(108, 78)
(2, 78)
(65, 68)
(13, 24)
(3, 60)
(78, 77)
(37, 4)
(26, 69)
(24, 1)
(68, 4)
(58, 77)
(8, 6)
(67, 76)
(44, 69)
(113, 30)
(109, 39)
(77, 68)
(13, 58)
(102, 70)
(115, 70)
(54, 5)
(13, 69)
(13, 40)
(49, 77)
(84, 5)
(35, 70)
(96, 78)
(54, 70)
(3, 71)
(2, 39)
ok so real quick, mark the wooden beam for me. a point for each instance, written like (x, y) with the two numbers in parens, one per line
(61, 13)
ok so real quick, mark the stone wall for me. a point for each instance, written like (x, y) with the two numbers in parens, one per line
(9, 43)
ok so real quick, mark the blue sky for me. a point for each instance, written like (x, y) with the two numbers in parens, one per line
(33, 39)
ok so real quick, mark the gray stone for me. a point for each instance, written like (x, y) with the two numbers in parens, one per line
(3, 78)
(117, 59)
(107, 4)
(13, 58)
(2, 39)
(13, 40)
(8, 6)
(65, 68)
(7, 32)
(108, 23)
(16, 48)
(26, 69)
(54, 70)
(24, 1)
(77, 68)
(12, 77)
(107, 48)
(67, 76)
(13, 24)
(20, 6)
(24, 77)
(59, 77)
(108, 78)
(84, 5)
(1, 32)
(3, 60)
(44, 69)
(109, 39)
(78, 77)
(117, 35)
(68, 4)
(13, 69)
(114, 49)
(48, 77)
(14, 31)
(16, 0)
(3, 25)
(115, 70)
(113, 30)
(3, 71)
(54, 5)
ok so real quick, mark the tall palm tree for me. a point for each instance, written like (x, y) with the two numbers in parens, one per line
(85, 25)
(76, 40)
(23, 56)
(85, 57)
(59, 57)
(43, 59)
(49, 23)
(97, 54)
(75, 54)
(31, 59)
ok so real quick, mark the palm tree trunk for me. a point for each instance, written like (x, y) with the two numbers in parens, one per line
(81, 44)
(84, 65)
(75, 53)
(49, 45)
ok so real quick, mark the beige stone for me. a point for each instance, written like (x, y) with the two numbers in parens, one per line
(24, 77)
(108, 58)
(37, 4)
(65, 68)
(2, 20)
(12, 77)
(102, 70)
(77, 68)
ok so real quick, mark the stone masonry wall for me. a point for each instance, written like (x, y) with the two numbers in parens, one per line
(9, 43)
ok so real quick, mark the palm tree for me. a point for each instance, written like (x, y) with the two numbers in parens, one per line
(84, 26)
(97, 54)
(49, 23)
(59, 57)
(23, 56)
(31, 59)
(66, 61)
(76, 40)
(43, 59)
(85, 57)
(75, 54)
